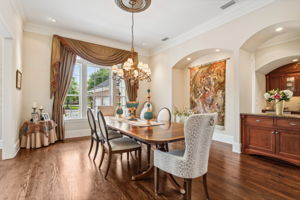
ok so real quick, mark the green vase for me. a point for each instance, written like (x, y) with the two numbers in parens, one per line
(148, 115)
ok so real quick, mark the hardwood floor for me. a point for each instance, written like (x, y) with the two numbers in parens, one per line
(64, 171)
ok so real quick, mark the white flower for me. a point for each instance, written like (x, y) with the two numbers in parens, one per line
(288, 93)
(267, 96)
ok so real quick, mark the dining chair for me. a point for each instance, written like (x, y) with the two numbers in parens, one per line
(144, 109)
(117, 145)
(95, 137)
(192, 162)
(164, 114)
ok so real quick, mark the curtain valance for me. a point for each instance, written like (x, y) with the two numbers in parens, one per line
(98, 54)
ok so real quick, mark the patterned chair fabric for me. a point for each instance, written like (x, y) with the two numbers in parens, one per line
(164, 115)
(193, 161)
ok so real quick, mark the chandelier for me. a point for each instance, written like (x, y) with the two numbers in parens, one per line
(132, 69)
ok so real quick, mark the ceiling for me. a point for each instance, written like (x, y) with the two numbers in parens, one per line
(164, 18)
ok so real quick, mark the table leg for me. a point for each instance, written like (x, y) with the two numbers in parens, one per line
(175, 183)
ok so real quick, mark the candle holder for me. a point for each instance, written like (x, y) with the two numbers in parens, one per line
(34, 109)
(41, 114)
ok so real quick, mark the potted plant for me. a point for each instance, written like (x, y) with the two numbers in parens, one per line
(182, 116)
(279, 97)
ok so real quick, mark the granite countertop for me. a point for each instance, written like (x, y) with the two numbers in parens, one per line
(273, 115)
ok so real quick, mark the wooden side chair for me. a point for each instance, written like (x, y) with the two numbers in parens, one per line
(117, 145)
(193, 161)
(95, 137)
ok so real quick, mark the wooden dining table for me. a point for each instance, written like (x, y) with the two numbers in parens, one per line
(157, 136)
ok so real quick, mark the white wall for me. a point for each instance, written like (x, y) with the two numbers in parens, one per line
(1, 59)
(230, 36)
(36, 85)
(11, 29)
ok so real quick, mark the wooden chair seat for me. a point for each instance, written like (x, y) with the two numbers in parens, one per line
(123, 144)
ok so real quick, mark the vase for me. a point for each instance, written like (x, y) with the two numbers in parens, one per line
(120, 112)
(148, 115)
(279, 107)
(132, 106)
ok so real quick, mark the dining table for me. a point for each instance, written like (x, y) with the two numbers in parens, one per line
(155, 134)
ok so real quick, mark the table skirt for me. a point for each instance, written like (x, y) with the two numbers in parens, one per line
(38, 139)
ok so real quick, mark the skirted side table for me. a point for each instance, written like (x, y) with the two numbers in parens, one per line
(37, 134)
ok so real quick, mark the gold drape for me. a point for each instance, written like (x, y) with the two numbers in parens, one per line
(98, 54)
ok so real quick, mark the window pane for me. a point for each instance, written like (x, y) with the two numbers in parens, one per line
(72, 102)
(98, 86)
(72, 107)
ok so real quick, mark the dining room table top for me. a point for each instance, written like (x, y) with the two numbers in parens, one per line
(159, 134)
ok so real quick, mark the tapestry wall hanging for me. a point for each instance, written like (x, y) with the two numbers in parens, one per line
(207, 89)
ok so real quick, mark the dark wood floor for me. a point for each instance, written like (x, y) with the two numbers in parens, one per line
(64, 171)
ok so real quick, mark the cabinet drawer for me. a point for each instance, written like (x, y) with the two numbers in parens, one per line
(259, 121)
(289, 123)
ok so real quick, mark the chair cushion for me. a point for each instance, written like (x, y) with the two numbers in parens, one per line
(120, 144)
(112, 134)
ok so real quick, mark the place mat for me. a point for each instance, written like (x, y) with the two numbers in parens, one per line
(139, 122)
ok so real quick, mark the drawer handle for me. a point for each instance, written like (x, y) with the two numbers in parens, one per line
(258, 120)
(293, 124)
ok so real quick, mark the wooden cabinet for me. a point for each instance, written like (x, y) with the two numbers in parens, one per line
(271, 135)
(285, 77)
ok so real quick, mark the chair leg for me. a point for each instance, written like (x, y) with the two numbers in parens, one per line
(91, 147)
(127, 156)
(205, 186)
(139, 159)
(102, 155)
(156, 180)
(188, 188)
(167, 147)
(108, 164)
(96, 151)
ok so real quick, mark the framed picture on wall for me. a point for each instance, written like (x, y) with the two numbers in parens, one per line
(19, 79)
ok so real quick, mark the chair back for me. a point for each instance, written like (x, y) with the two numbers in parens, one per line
(92, 123)
(144, 109)
(107, 110)
(164, 115)
(103, 127)
(198, 131)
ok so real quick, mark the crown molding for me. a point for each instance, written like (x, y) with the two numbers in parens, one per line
(210, 25)
(50, 31)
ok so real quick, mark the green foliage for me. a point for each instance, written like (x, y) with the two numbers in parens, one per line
(74, 87)
(98, 77)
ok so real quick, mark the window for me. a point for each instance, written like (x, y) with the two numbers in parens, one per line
(72, 102)
(91, 86)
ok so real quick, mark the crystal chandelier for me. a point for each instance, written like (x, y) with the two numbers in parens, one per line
(132, 69)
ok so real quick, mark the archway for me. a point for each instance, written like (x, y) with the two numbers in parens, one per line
(181, 86)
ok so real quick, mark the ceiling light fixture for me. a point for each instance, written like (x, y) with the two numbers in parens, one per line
(132, 70)
(188, 59)
(218, 50)
(295, 60)
(52, 19)
(278, 29)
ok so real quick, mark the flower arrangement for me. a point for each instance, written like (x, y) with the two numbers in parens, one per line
(276, 95)
(182, 115)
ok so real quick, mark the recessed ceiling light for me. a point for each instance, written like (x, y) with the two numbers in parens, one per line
(52, 19)
(189, 59)
(295, 60)
(218, 50)
(278, 29)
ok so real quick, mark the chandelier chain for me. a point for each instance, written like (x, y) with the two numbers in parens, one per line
(132, 27)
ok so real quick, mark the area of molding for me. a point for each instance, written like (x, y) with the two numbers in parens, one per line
(210, 25)
(49, 31)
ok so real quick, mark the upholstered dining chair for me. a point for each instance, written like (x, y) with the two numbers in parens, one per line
(164, 114)
(95, 137)
(117, 145)
(192, 162)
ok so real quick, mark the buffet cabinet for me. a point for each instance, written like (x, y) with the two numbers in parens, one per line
(271, 135)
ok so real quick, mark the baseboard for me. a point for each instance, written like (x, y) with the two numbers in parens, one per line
(77, 133)
(1, 144)
(16, 148)
(236, 147)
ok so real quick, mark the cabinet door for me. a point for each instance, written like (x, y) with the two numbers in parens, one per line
(292, 82)
(260, 139)
(274, 82)
(288, 144)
